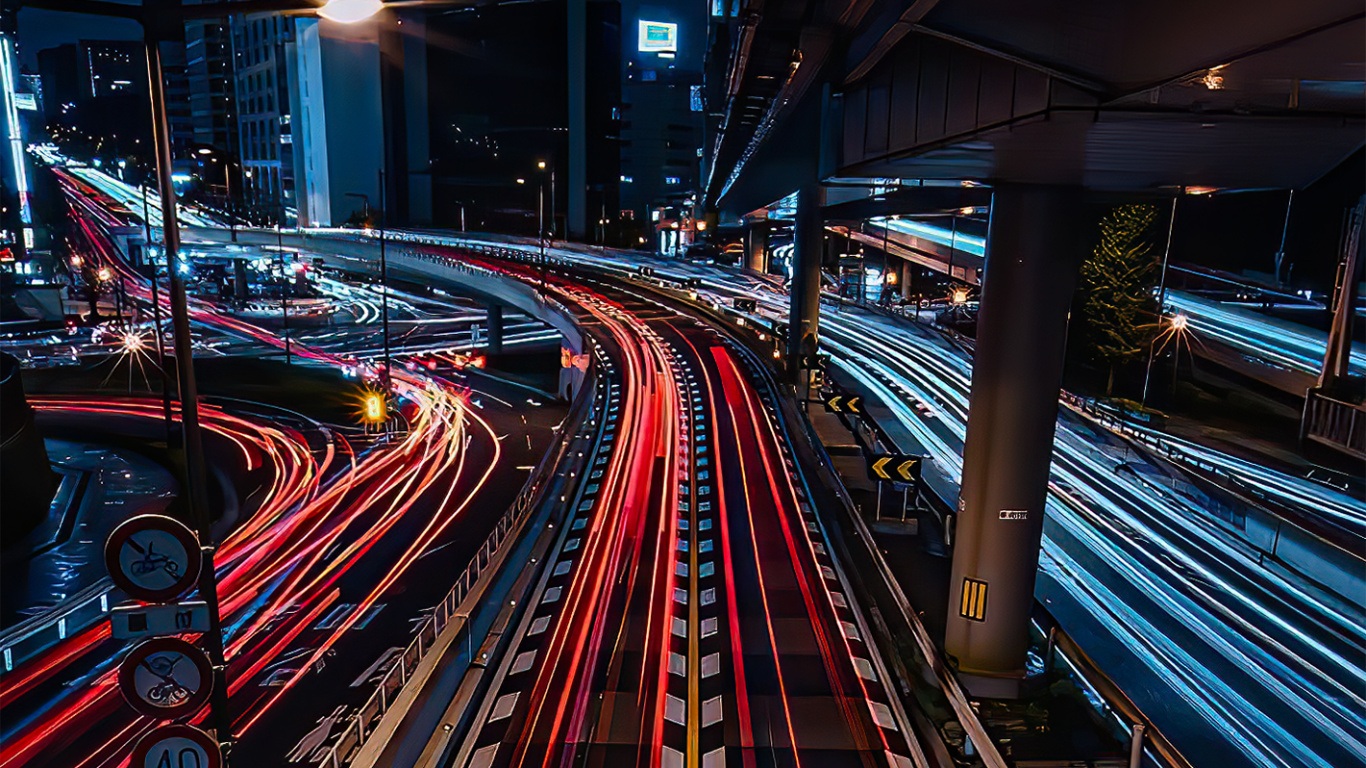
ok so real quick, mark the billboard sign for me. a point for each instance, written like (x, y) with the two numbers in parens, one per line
(658, 37)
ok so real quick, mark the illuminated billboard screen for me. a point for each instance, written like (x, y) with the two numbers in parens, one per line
(658, 37)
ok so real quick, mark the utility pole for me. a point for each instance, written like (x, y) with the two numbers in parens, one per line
(191, 439)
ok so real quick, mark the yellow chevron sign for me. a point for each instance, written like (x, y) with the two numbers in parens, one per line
(880, 467)
(844, 404)
(895, 467)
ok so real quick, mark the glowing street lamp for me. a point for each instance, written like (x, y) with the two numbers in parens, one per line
(105, 274)
(960, 296)
(133, 342)
(1179, 322)
(349, 11)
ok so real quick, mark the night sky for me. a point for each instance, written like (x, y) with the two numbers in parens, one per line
(1230, 231)
(46, 29)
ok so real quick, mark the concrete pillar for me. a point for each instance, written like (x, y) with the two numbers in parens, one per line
(27, 482)
(808, 240)
(239, 279)
(495, 344)
(907, 271)
(1033, 255)
(756, 251)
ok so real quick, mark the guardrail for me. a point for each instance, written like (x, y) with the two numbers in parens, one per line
(361, 726)
(1065, 657)
(31, 636)
(1335, 423)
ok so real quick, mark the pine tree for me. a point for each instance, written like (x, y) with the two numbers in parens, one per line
(1119, 309)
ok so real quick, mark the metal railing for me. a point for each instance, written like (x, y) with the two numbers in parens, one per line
(36, 634)
(362, 725)
(1335, 423)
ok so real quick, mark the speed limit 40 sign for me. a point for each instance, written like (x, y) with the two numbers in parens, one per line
(177, 746)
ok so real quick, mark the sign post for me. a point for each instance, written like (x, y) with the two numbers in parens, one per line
(155, 560)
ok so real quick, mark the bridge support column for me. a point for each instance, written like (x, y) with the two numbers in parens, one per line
(756, 250)
(808, 234)
(907, 274)
(495, 344)
(1032, 258)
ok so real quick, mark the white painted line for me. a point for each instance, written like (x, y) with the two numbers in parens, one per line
(373, 668)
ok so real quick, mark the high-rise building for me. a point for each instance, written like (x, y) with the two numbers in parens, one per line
(16, 222)
(663, 45)
(336, 119)
(61, 80)
(76, 73)
(175, 78)
(261, 45)
(209, 81)
(109, 67)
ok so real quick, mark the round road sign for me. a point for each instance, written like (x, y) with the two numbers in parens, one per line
(176, 746)
(165, 678)
(153, 558)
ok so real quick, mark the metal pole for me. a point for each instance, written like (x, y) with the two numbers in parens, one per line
(540, 232)
(554, 222)
(284, 280)
(191, 440)
(384, 286)
(156, 317)
(1161, 301)
(227, 183)
(1285, 230)
(1136, 746)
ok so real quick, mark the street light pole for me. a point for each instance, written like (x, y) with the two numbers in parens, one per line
(284, 277)
(540, 231)
(156, 314)
(191, 439)
(227, 184)
(384, 286)
(1161, 301)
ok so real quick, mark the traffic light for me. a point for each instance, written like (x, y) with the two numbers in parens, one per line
(375, 410)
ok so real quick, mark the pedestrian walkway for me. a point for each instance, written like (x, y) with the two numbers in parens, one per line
(64, 556)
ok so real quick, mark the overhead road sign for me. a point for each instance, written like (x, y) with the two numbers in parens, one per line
(166, 678)
(894, 467)
(153, 558)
